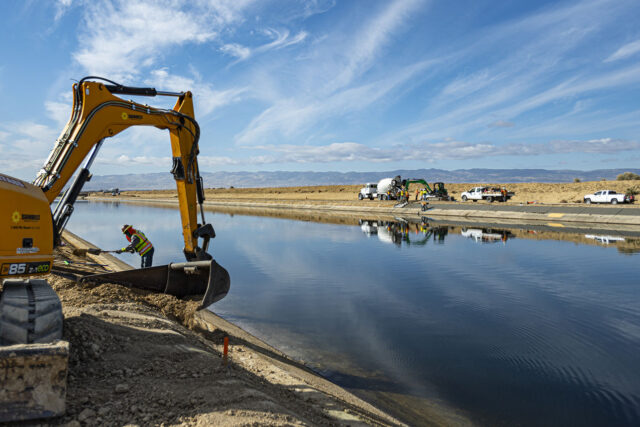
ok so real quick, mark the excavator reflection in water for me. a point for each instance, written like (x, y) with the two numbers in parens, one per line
(418, 233)
(403, 231)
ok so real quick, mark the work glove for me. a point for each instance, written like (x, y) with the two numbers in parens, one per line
(130, 250)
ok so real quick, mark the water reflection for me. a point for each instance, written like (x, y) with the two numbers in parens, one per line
(605, 240)
(487, 235)
(418, 231)
(404, 231)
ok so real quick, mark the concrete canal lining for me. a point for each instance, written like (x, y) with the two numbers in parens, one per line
(620, 214)
(549, 213)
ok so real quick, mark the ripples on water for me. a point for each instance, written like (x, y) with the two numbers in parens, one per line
(507, 326)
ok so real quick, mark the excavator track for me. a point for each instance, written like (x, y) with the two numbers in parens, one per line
(30, 312)
(33, 357)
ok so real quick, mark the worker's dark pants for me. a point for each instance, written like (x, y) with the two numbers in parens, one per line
(147, 259)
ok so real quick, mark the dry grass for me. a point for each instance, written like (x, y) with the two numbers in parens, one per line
(560, 193)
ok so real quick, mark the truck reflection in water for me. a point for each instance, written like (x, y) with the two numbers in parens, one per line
(605, 240)
(487, 235)
(397, 232)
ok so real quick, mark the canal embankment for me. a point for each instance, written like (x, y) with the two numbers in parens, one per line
(523, 213)
(145, 358)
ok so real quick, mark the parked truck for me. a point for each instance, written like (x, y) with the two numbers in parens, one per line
(389, 188)
(487, 193)
(369, 191)
(608, 196)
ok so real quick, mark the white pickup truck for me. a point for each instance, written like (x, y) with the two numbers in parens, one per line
(607, 196)
(369, 191)
(487, 193)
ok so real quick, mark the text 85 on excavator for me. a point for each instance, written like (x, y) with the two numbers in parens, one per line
(29, 309)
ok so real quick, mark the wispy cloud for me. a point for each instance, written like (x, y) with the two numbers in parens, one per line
(625, 51)
(35, 131)
(61, 8)
(329, 82)
(122, 38)
(25, 146)
(236, 50)
(336, 152)
(206, 98)
(125, 160)
(535, 76)
(501, 124)
(443, 150)
(362, 51)
(58, 111)
(290, 117)
(280, 39)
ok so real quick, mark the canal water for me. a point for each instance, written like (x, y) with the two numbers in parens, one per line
(430, 321)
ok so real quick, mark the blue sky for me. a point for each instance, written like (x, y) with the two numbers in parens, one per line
(349, 85)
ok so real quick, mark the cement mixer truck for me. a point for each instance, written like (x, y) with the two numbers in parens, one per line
(389, 188)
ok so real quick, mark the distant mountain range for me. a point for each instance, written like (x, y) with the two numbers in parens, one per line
(159, 181)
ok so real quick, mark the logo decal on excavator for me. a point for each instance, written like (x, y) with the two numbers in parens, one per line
(15, 217)
(125, 116)
(30, 217)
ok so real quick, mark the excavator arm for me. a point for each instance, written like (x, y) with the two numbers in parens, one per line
(34, 230)
(416, 181)
(98, 114)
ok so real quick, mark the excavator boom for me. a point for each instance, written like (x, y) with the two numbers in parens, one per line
(98, 114)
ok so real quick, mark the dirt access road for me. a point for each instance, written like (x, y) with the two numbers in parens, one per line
(139, 358)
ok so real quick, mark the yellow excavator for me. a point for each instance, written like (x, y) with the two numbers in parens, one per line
(30, 311)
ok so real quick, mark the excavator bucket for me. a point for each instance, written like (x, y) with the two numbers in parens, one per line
(207, 278)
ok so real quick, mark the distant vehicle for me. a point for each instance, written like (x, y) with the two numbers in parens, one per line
(608, 196)
(487, 193)
(389, 188)
(112, 191)
(605, 240)
(438, 192)
(369, 191)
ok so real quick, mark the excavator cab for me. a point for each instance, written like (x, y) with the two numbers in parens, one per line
(439, 190)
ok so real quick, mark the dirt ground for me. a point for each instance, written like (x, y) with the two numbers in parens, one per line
(139, 358)
(555, 193)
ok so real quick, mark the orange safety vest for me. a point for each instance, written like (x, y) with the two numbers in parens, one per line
(144, 245)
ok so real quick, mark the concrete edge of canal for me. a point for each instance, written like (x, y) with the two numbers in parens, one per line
(524, 213)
